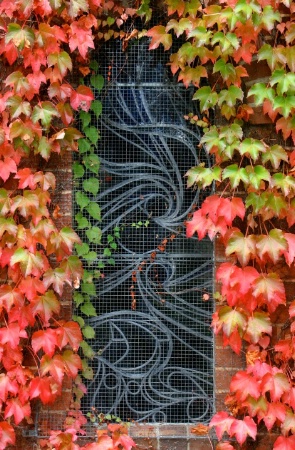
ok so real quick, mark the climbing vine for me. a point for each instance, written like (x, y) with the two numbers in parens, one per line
(252, 211)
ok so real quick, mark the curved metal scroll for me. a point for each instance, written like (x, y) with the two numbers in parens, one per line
(152, 363)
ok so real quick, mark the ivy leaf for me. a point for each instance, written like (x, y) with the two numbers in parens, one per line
(284, 443)
(284, 104)
(252, 147)
(84, 145)
(257, 324)
(81, 98)
(272, 245)
(244, 385)
(45, 340)
(94, 235)
(92, 163)
(18, 106)
(207, 98)
(46, 306)
(54, 366)
(62, 60)
(261, 92)
(203, 176)
(76, 6)
(244, 247)
(88, 332)
(256, 175)
(269, 288)
(82, 200)
(96, 107)
(85, 118)
(91, 185)
(18, 410)
(45, 112)
(72, 363)
(222, 423)
(78, 170)
(81, 221)
(275, 154)
(231, 319)
(22, 37)
(159, 36)
(30, 263)
(235, 175)
(230, 96)
(94, 210)
(88, 309)
(92, 133)
(241, 429)
(276, 384)
(97, 81)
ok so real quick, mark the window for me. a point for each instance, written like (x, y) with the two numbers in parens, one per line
(153, 345)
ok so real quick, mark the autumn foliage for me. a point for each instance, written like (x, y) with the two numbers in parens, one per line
(252, 212)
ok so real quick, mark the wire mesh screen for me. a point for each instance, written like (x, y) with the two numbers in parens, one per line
(153, 347)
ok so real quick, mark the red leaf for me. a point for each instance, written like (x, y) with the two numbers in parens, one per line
(16, 409)
(126, 441)
(269, 289)
(159, 36)
(104, 443)
(7, 435)
(45, 339)
(45, 306)
(12, 335)
(46, 388)
(81, 98)
(30, 286)
(243, 385)
(81, 38)
(69, 333)
(7, 386)
(290, 253)
(222, 423)
(284, 443)
(276, 411)
(7, 167)
(199, 224)
(54, 366)
(242, 428)
(276, 384)
(72, 363)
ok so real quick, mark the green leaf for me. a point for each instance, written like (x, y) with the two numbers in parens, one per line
(203, 176)
(82, 200)
(230, 96)
(81, 221)
(78, 170)
(235, 175)
(107, 252)
(252, 147)
(96, 107)
(88, 309)
(284, 104)
(257, 174)
(88, 332)
(85, 118)
(257, 202)
(94, 210)
(79, 320)
(261, 92)
(244, 247)
(87, 372)
(226, 70)
(285, 182)
(269, 17)
(21, 36)
(94, 65)
(91, 185)
(97, 81)
(94, 235)
(111, 261)
(78, 298)
(62, 60)
(45, 112)
(285, 81)
(82, 249)
(17, 106)
(91, 256)
(275, 154)
(84, 145)
(207, 98)
(231, 319)
(93, 134)
(92, 163)
(87, 350)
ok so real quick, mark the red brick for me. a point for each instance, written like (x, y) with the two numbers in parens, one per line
(200, 444)
(174, 444)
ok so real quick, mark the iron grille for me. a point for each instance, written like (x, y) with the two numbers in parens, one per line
(153, 347)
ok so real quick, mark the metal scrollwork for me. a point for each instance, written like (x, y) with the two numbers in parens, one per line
(153, 363)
